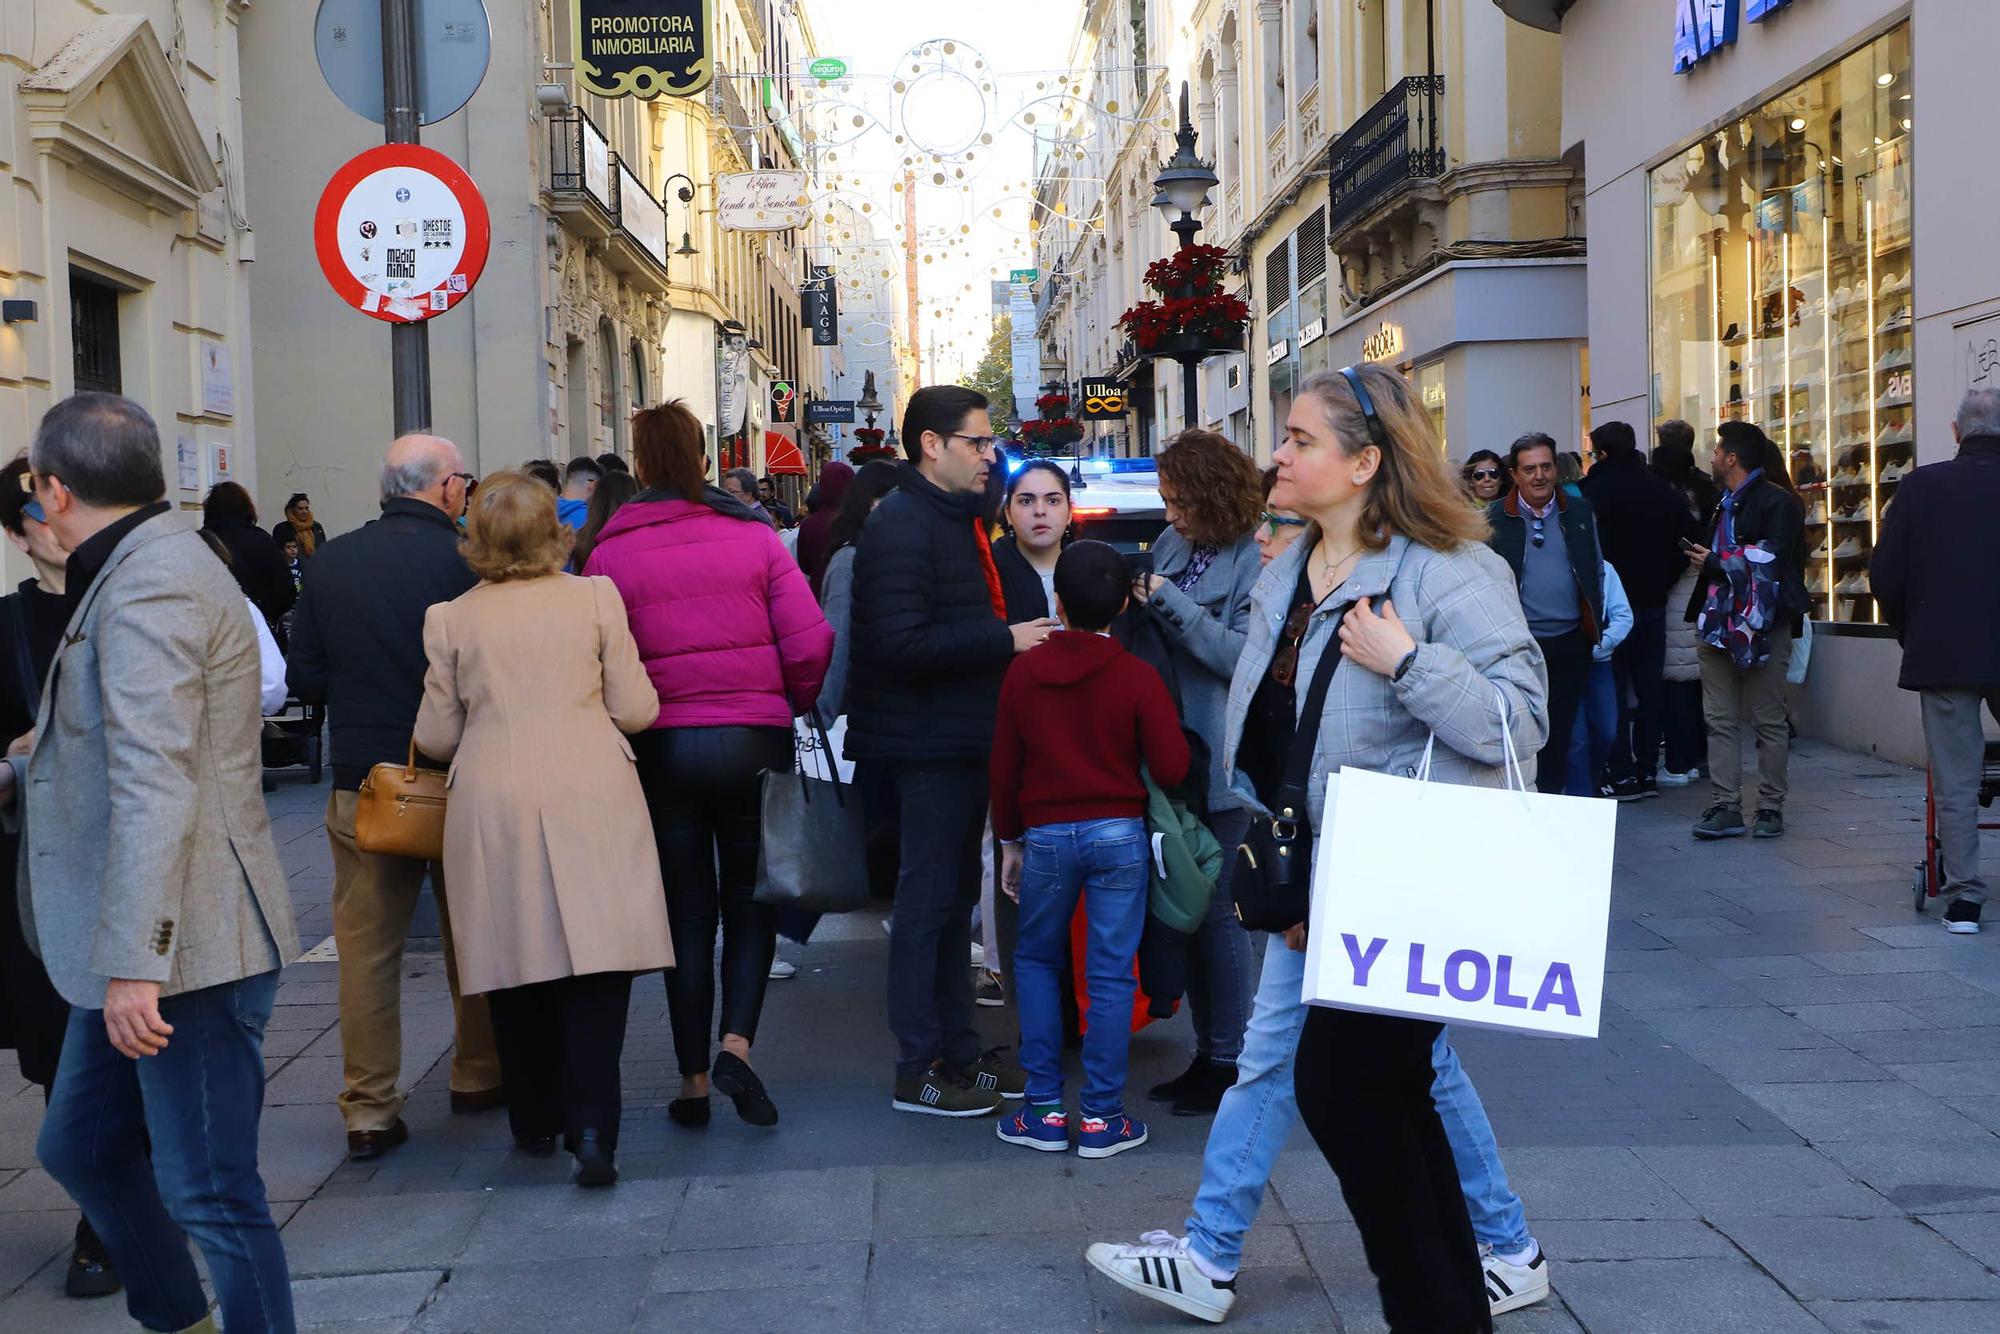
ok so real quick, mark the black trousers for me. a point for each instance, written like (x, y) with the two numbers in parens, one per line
(705, 790)
(560, 1043)
(1638, 663)
(1686, 730)
(1568, 659)
(942, 812)
(1364, 1090)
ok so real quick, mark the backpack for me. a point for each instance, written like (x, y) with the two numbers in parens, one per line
(1186, 862)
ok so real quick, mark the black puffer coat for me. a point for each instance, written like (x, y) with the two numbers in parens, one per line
(929, 651)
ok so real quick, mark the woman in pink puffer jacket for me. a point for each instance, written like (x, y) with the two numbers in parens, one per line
(736, 647)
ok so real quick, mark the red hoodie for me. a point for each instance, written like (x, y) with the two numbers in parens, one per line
(1077, 715)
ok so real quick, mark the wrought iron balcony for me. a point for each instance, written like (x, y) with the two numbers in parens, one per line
(582, 187)
(1395, 142)
(638, 247)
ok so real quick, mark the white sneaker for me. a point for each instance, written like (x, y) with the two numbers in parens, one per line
(1668, 778)
(783, 970)
(978, 955)
(1160, 1267)
(1511, 1287)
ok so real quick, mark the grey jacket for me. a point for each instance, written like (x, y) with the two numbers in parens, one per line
(1207, 631)
(146, 851)
(836, 588)
(1473, 652)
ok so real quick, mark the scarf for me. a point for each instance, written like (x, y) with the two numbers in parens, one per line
(304, 532)
(989, 569)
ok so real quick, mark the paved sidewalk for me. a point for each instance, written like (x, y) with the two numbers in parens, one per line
(1788, 1124)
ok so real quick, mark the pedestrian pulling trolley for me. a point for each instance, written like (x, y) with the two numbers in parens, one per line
(1929, 880)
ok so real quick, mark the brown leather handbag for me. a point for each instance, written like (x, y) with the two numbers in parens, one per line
(400, 812)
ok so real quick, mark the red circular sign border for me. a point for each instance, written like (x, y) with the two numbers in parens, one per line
(326, 225)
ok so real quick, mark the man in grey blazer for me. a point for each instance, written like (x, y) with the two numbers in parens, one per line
(150, 884)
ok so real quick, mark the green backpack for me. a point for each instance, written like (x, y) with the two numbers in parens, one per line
(1180, 843)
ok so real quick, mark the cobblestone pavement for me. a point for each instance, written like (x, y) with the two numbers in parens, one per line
(1788, 1124)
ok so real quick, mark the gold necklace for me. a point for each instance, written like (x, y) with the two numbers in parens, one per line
(1329, 566)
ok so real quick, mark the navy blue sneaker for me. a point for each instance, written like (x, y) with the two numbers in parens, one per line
(1100, 1137)
(1044, 1128)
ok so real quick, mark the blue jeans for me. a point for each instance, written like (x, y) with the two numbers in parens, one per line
(1103, 862)
(1256, 1118)
(199, 1101)
(1596, 728)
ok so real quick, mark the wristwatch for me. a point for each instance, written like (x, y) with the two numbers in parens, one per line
(1403, 667)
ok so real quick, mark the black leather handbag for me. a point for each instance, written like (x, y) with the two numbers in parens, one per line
(1271, 878)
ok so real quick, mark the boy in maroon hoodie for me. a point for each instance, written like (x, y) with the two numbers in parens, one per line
(1078, 716)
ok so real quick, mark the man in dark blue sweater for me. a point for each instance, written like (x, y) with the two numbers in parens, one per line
(931, 644)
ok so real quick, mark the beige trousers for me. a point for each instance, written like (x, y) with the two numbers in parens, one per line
(374, 899)
(1729, 695)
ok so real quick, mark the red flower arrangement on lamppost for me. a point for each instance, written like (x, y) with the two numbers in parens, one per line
(1055, 431)
(871, 446)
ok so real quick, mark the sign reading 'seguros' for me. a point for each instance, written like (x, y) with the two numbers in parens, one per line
(643, 48)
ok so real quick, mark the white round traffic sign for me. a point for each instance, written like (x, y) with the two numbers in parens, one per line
(402, 233)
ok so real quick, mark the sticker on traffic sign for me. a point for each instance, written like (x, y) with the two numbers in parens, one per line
(402, 233)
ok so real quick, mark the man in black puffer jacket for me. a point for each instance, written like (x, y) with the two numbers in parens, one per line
(930, 646)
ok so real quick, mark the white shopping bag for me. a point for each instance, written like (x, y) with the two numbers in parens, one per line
(813, 758)
(1468, 905)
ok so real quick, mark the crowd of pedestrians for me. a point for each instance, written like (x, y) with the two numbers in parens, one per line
(609, 660)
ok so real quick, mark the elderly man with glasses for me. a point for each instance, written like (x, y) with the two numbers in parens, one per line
(358, 648)
(1550, 540)
(931, 643)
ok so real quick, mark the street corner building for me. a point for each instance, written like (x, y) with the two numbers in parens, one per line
(126, 246)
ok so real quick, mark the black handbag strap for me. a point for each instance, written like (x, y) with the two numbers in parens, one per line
(1291, 796)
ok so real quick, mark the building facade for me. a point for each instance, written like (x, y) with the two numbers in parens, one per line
(606, 290)
(1391, 187)
(125, 253)
(1756, 205)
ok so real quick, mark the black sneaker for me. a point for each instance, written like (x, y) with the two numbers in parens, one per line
(1627, 789)
(1962, 918)
(941, 1092)
(1768, 824)
(1720, 821)
(1648, 786)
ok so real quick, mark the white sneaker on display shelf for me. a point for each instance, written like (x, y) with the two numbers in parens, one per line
(1848, 547)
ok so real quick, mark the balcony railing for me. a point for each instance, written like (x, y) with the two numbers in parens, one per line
(735, 116)
(643, 216)
(1394, 143)
(579, 158)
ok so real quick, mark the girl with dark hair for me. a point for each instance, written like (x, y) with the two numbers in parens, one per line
(1486, 477)
(612, 491)
(874, 481)
(260, 568)
(736, 648)
(1037, 519)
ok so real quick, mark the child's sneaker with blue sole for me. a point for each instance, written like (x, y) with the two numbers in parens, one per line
(1044, 1128)
(1101, 1137)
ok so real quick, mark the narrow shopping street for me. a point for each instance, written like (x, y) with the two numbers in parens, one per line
(1787, 1124)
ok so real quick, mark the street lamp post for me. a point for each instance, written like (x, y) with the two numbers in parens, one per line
(686, 195)
(1182, 187)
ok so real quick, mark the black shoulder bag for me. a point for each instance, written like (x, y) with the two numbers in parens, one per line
(1271, 879)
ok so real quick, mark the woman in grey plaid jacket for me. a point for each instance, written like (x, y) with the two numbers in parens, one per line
(1395, 576)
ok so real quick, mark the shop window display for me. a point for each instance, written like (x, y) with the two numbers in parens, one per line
(1782, 268)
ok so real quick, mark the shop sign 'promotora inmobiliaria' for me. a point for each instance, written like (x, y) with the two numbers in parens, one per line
(401, 233)
(1704, 27)
(643, 48)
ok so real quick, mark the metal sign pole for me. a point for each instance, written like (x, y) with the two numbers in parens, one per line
(409, 343)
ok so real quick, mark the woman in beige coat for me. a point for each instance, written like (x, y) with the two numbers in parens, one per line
(556, 896)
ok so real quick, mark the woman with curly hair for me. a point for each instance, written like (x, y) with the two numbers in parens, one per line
(1198, 604)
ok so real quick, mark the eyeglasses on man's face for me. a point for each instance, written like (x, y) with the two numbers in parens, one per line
(981, 444)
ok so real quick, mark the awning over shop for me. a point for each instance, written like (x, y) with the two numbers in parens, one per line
(782, 457)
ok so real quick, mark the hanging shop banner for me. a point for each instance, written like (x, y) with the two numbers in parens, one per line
(1104, 399)
(819, 306)
(1025, 353)
(643, 48)
(762, 201)
(784, 403)
(830, 412)
(401, 232)
(732, 385)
